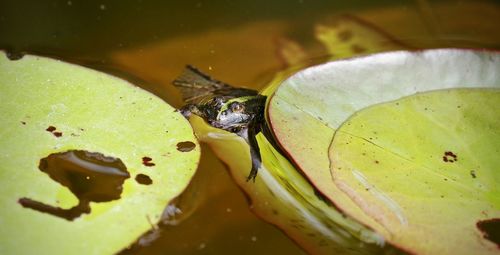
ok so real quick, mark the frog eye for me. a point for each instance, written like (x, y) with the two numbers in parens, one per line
(237, 107)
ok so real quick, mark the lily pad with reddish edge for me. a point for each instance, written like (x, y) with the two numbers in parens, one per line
(425, 167)
(307, 109)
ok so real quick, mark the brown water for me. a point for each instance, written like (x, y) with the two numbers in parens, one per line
(149, 42)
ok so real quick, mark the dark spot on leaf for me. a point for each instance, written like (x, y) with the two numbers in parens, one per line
(490, 229)
(344, 35)
(23, 122)
(450, 157)
(322, 197)
(147, 161)
(186, 146)
(473, 173)
(376, 162)
(357, 49)
(90, 176)
(52, 130)
(143, 179)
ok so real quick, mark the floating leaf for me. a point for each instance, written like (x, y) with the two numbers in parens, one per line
(88, 161)
(307, 108)
(425, 168)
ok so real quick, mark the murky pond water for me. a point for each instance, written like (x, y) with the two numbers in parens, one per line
(239, 42)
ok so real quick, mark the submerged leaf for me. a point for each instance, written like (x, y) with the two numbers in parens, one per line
(283, 197)
(350, 36)
(425, 168)
(88, 161)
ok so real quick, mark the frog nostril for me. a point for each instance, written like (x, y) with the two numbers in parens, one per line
(219, 100)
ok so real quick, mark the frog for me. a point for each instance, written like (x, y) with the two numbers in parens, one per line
(234, 109)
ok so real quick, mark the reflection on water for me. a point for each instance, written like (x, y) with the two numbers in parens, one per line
(238, 42)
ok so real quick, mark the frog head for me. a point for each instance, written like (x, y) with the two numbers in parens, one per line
(219, 104)
(237, 110)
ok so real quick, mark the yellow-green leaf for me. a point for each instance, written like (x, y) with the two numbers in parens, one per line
(307, 109)
(49, 107)
(425, 168)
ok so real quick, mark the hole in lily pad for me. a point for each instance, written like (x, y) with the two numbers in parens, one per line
(186, 146)
(491, 230)
(143, 179)
(90, 176)
(14, 55)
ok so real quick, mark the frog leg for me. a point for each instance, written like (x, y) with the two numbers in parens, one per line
(249, 134)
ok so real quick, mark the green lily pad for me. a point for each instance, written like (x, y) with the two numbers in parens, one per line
(425, 168)
(70, 136)
(307, 108)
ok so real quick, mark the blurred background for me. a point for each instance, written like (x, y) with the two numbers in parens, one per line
(239, 42)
